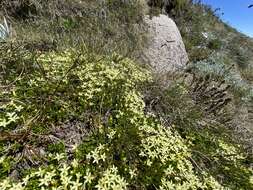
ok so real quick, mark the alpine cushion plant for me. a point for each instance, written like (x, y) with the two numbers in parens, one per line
(125, 147)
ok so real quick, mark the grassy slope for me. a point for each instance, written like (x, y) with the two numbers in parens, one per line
(89, 112)
(207, 37)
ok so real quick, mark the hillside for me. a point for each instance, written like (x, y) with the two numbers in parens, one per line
(80, 108)
(216, 48)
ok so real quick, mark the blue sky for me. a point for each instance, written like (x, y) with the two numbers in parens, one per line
(236, 13)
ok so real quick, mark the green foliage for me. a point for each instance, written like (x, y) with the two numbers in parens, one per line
(5, 165)
(215, 148)
(239, 51)
(205, 36)
(168, 5)
(216, 67)
(214, 44)
(88, 118)
(56, 148)
(128, 148)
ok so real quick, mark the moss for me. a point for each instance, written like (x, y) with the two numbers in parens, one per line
(56, 148)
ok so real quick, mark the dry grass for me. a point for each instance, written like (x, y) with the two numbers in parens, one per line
(104, 28)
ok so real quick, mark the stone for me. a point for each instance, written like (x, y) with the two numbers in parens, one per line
(165, 52)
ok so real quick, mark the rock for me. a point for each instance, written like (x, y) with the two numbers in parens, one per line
(165, 52)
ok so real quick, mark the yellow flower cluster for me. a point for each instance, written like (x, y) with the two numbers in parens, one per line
(131, 149)
(111, 180)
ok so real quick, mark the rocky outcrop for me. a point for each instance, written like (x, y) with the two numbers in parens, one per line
(166, 51)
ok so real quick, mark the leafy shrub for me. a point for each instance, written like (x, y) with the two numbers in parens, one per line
(21, 9)
(214, 44)
(168, 5)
